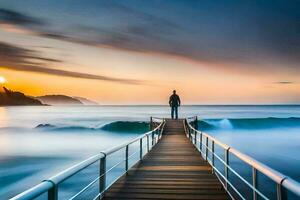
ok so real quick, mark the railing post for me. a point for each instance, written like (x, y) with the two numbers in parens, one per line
(206, 149)
(185, 128)
(141, 148)
(162, 128)
(102, 180)
(154, 138)
(226, 167)
(126, 159)
(196, 123)
(201, 141)
(148, 143)
(190, 135)
(160, 132)
(151, 123)
(281, 192)
(53, 193)
(213, 156)
(152, 134)
(254, 182)
(195, 139)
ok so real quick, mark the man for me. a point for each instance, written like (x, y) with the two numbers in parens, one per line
(174, 103)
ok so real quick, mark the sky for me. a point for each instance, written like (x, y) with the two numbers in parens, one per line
(137, 52)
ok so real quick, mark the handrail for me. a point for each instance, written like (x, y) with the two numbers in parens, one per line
(193, 117)
(35, 191)
(271, 173)
(114, 149)
(60, 177)
(283, 182)
(51, 185)
(292, 185)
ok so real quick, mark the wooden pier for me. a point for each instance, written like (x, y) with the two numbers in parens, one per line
(174, 169)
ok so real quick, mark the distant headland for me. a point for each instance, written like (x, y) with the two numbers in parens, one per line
(58, 100)
(15, 98)
(12, 98)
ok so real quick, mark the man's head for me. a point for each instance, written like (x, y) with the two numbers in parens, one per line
(174, 91)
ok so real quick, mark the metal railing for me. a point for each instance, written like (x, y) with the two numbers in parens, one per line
(201, 140)
(50, 186)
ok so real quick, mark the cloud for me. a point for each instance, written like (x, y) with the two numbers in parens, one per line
(59, 72)
(13, 17)
(138, 14)
(231, 32)
(17, 55)
(284, 82)
(143, 33)
(21, 59)
(251, 34)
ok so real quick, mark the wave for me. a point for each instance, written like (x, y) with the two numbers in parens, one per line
(51, 127)
(117, 126)
(126, 126)
(249, 123)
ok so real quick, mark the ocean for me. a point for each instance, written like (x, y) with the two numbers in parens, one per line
(38, 141)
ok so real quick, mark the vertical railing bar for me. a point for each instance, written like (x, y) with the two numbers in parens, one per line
(53, 193)
(206, 149)
(195, 140)
(151, 123)
(152, 134)
(213, 156)
(201, 135)
(189, 130)
(126, 159)
(226, 167)
(161, 130)
(102, 181)
(141, 148)
(185, 127)
(157, 135)
(281, 191)
(148, 143)
(254, 182)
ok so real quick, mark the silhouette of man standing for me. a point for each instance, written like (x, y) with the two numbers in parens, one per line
(174, 103)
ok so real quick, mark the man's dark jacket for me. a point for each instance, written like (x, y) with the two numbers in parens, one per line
(174, 100)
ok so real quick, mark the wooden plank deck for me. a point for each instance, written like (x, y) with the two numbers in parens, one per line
(173, 169)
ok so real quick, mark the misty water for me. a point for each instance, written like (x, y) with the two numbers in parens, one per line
(37, 142)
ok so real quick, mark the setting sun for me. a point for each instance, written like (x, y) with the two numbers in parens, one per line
(2, 79)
